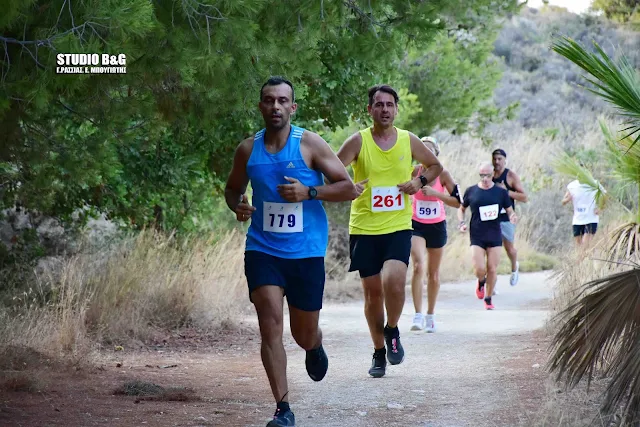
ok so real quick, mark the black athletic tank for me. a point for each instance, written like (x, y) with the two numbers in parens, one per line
(503, 179)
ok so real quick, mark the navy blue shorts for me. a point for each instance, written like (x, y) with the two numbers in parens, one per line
(369, 252)
(301, 279)
(579, 230)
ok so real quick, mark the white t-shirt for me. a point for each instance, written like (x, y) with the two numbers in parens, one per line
(584, 203)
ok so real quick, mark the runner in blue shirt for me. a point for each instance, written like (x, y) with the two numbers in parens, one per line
(485, 199)
(287, 238)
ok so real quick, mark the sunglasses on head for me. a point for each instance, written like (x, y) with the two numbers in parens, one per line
(485, 175)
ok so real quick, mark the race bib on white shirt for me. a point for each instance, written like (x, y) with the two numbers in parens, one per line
(427, 209)
(282, 217)
(385, 199)
(489, 212)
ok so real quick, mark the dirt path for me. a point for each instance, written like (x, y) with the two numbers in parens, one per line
(477, 370)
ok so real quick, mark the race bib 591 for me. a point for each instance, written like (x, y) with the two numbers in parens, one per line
(386, 199)
(489, 212)
(427, 209)
(282, 217)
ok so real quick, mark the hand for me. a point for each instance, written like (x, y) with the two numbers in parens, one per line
(462, 227)
(428, 191)
(244, 209)
(596, 211)
(513, 219)
(294, 192)
(360, 187)
(411, 187)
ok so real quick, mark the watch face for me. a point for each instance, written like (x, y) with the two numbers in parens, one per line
(313, 192)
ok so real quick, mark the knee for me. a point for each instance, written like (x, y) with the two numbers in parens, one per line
(418, 269)
(512, 251)
(373, 296)
(306, 338)
(270, 325)
(434, 277)
(492, 269)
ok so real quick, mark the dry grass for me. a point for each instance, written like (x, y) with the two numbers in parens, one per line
(126, 292)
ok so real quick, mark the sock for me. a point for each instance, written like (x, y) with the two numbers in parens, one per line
(482, 282)
(488, 300)
(283, 407)
(391, 332)
(379, 350)
(315, 350)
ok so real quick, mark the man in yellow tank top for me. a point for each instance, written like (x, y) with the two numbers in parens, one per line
(380, 221)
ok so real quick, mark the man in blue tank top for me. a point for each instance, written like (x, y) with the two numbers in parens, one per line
(509, 180)
(287, 239)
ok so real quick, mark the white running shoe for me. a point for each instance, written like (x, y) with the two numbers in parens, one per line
(514, 275)
(430, 323)
(418, 322)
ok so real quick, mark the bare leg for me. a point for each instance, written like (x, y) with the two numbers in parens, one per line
(479, 264)
(268, 301)
(394, 276)
(493, 258)
(512, 253)
(374, 308)
(304, 328)
(433, 282)
(418, 258)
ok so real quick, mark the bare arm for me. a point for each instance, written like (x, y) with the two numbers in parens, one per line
(519, 193)
(338, 184)
(350, 149)
(449, 199)
(513, 218)
(567, 198)
(237, 182)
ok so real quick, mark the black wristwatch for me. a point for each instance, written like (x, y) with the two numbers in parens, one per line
(312, 192)
(423, 180)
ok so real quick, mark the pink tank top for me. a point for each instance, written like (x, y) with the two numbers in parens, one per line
(428, 209)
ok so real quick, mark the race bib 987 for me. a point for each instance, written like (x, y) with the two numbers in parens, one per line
(282, 217)
(386, 199)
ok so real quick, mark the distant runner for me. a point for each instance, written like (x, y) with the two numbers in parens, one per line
(380, 220)
(509, 180)
(585, 211)
(429, 237)
(486, 200)
(287, 239)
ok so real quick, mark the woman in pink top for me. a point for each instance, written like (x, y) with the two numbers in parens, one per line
(429, 237)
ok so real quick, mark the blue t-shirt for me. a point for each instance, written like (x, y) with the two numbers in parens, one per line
(280, 228)
(485, 211)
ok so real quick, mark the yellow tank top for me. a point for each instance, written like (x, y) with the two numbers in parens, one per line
(382, 208)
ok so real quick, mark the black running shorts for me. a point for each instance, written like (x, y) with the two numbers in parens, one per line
(579, 230)
(369, 252)
(434, 234)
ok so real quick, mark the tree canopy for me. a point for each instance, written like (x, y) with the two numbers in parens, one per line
(156, 143)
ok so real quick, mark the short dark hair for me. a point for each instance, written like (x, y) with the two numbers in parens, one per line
(382, 88)
(275, 81)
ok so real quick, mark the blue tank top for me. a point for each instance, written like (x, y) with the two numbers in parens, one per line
(280, 228)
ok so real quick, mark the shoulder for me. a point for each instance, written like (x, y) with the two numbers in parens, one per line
(355, 138)
(511, 174)
(412, 136)
(245, 147)
(312, 139)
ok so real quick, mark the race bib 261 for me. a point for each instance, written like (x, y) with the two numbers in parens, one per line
(386, 199)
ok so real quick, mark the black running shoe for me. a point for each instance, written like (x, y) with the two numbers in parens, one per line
(317, 363)
(395, 352)
(378, 364)
(282, 419)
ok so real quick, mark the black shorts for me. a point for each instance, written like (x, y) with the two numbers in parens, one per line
(301, 279)
(434, 234)
(484, 244)
(369, 252)
(579, 230)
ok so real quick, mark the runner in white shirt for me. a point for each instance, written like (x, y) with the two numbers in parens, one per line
(585, 211)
